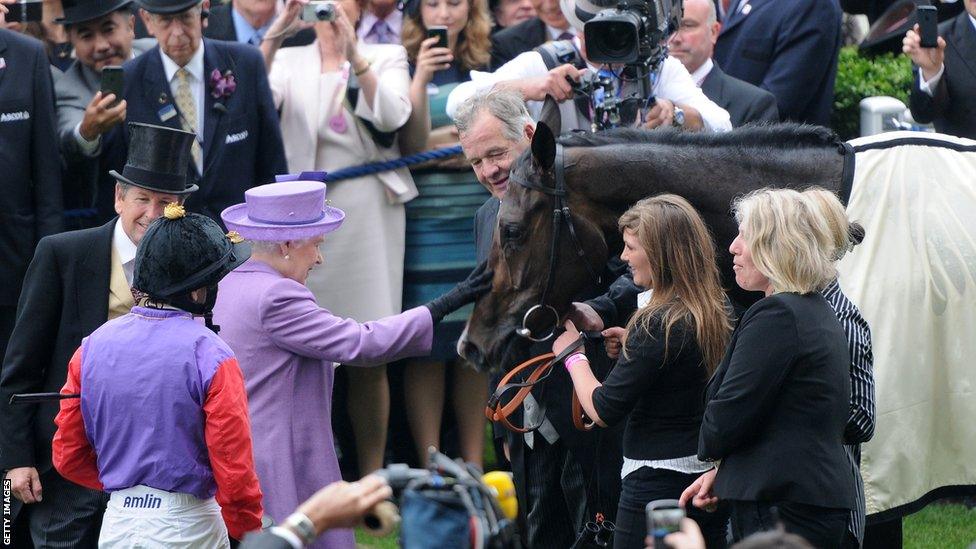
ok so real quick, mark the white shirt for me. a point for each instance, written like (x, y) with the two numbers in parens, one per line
(126, 249)
(554, 33)
(673, 84)
(701, 73)
(197, 84)
(928, 86)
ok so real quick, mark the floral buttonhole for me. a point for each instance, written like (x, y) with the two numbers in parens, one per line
(222, 85)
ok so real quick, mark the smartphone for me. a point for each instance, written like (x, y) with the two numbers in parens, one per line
(112, 80)
(319, 11)
(928, 26)
(25, 12)
(440, 33)
(663, 517)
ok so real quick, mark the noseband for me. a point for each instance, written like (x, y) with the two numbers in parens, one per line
(561, 216)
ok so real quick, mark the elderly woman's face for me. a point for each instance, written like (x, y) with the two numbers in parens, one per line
(747, 276)
(302, 258)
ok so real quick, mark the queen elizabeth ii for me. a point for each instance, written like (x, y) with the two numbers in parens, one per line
(287, 344)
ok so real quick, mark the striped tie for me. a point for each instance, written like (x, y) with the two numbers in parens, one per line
(188, 108)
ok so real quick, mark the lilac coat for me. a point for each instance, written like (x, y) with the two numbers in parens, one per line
(286, 346)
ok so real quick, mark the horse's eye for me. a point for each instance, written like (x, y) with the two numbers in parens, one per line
(512, 232)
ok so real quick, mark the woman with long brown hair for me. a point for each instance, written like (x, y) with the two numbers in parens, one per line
(671, 345)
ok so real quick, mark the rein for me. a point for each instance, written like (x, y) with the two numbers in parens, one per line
(561, 215)
(541, 368)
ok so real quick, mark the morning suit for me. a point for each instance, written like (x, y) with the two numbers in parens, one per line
(777, 408)
(73, 90)
(287, 347)
(220, 26)
(241, 141)
(744, 102)
(507, 44)
(68, 293)
(786, 47)
(952, 105)
(30, 201)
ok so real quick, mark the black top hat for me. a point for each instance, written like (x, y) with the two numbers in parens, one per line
(167, 6)
(79, 11)
(158, 159)
(886, 33)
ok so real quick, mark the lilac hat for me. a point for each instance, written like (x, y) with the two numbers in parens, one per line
(276, 212)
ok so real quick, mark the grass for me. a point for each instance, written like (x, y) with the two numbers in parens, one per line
(940, 526)
(937, 526)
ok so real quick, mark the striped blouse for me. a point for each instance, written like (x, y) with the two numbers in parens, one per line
(860, 424)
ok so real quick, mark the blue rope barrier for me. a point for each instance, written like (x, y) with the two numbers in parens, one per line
(376, 167)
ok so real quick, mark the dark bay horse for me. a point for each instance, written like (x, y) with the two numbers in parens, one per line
(604, 174)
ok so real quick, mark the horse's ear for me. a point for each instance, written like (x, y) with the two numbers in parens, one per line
(543, 146)
(551, 115)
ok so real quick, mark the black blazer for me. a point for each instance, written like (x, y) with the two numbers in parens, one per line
(220, 26)
(777, 406)
(485, 220)
(509, 43)
(952, 108)
(65, 298)
(789, 48)
(746, 103)
(30, 188)
(242, 144)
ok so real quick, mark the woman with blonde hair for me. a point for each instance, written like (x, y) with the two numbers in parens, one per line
(673, 343)
(778, 404)
(440, 221)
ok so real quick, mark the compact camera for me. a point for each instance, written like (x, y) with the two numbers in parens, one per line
(319, 11)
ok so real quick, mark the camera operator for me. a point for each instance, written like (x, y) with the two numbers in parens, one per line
(678, 101)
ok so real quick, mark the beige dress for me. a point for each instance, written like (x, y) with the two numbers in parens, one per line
(362, 275)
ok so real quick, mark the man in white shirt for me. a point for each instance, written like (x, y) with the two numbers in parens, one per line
(675, 92)
(217, 90)
(944, 91)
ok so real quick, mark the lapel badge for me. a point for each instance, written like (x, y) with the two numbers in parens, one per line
(3, 63)
(746, 9)
(163, 98)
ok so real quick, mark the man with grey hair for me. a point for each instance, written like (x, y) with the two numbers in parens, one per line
(693, 45)
(495, 128)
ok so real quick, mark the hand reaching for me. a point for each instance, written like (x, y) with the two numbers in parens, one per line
(343, 504)
(585, 317)
(928, 59)
(431, 60)
(614, 339)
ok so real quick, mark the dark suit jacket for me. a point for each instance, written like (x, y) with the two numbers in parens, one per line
(789, 48)
(952, 107)
(242, 145)
(485, 220)
(65, 298)
(510, 42)
(746, 103)
(30, 192)
(777, 406)
(220, 26)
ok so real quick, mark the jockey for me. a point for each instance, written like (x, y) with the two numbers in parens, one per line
(162, 420)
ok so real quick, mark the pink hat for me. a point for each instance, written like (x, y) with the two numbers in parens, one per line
(276, 212)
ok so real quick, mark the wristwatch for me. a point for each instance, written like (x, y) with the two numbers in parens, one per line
(679, 117)
(302, 526)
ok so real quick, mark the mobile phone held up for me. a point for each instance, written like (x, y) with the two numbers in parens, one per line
(928, 26)
(663, 517)
(316, 11)
(24, 11)
(112, 81)
(440, 33)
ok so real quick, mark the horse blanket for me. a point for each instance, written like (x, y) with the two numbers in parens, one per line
(914, 280)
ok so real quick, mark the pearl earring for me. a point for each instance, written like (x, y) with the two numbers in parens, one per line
(287, 256)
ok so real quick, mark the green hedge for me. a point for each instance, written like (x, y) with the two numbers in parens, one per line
(859, 77)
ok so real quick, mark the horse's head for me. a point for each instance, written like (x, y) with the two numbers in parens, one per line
(547, 247)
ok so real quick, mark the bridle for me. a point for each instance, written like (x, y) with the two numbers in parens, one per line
(561, 216)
